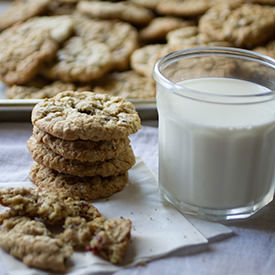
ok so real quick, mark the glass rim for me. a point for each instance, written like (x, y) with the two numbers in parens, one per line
(208, 51)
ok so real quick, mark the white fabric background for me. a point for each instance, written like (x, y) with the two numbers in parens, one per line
(250, 251)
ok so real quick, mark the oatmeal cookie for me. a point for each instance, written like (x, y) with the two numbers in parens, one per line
(268, 49)
(22, 51)
(112, 167)
(111, 238)
(158, 28)
(184, 7)
(120, 37)
(190, 37)
(51, 207)
(37, 92)
(82, 150)
(85, 188)
(244, 25)
(80, 60)
(144, 58)
(20, 11)
(125, 11)
(31, 242)
(86, 116)
(128, 84)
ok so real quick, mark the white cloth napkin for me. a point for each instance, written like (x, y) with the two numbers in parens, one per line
(157, 230)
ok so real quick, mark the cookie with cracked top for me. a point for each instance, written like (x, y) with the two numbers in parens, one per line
(112, 167)
(83, 188)
(87, 116)
(245, 25)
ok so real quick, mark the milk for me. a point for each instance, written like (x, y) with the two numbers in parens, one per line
(212, 154)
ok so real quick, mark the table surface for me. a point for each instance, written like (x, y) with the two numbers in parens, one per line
(251, 249)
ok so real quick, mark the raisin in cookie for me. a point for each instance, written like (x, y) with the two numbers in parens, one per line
(87, 116)
(80, 60)
(128, 84)
(82, 150)
(85, 188)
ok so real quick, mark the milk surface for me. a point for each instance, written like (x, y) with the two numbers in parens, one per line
(215, 155)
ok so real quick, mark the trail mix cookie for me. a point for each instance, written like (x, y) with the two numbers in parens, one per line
(244, 25)
(22, 51)
(104, 117)
(80, 60)
(158, 28)
(190, 37)
(268, 49)
(128, 84)
(83, 188)
(50, 207)
(31, 242)
(125, 11)
(112, 167)
(20, 11)
(82, 150)
(120, 37)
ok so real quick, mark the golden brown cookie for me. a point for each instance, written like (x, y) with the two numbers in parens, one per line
(268, 49)
(144, 58)
(190, 37)
(112, 167)
(80, 60)
(83, 188)
(20, 11)
(31, 242)
(244, 25)
(158, 28)
(82, 150)
(120, 37)
(87, 116)
(125, 11)
(22, 51)
(128, 84)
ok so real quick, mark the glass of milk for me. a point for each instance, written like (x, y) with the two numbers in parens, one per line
(216, 131)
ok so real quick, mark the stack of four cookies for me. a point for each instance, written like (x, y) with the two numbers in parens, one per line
(80, 144)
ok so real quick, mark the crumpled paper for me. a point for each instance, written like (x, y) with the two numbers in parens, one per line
(157, 229)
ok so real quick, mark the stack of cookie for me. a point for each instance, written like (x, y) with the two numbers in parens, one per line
(80, 144)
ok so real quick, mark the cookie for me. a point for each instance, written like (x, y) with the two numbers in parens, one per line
(158, 28)
(128, 84)
(183, 7)
(85, 188)
(34, 92)
(111, 238)
(244, 25)
(125, 11)
(22, 51)
(190, 37)
(59, 7)
(79, 60)
(33, 248)
(82, 150)
(49, 207)
(144, 58)
(20, 11)
(120, 37)
(150, 4)
(112, 167)
(268, 49)
(86, 116)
